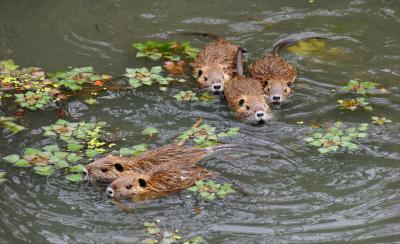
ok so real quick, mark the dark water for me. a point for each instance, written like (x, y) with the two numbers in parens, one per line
(293, 193)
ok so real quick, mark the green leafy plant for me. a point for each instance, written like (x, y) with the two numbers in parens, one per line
(336, 137)
(205, 136)
(360, 87)
(34, 100)
(144, 76)
(165, 237)
(186, 96)
(210, 190)
(2, 176)
(206, 97)
(149, 131)
(380, 120)
(353, 104)
(134, 150)
(167, 50)
(8, 123)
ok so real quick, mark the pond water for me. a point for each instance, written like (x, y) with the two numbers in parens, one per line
(291, 192)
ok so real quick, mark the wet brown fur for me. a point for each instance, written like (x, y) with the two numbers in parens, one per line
(105, 169)
(217, 63)
(165, 178)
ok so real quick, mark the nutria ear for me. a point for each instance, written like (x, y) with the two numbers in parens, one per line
(142, 183)
(119, 167)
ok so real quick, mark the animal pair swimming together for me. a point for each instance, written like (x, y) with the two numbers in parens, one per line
(165, 169)
(219, 68)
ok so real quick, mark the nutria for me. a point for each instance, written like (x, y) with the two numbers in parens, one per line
(165, 178)
(215, 64)
(274, 73)
(108, 168)
(246, 97)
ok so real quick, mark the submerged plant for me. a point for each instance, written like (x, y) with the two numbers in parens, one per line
(168, 50)
(2, 176)
(307, 46)
(353, 104)
(210, 190)
(8, 123)
(380, 120)
(165, 237)
(360, 87)
(143, 76)
(336, 137)
(204, 135)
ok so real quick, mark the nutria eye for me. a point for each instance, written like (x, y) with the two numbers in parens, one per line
(200, 72)
(289, 83)
(266, 82)
(128, 186)
(205, 78)
(247, 107)
(285, 90)
(104, 170)
(241, 101)
(142, 183)
(119, 167)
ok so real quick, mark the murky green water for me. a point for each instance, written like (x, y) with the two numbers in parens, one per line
(293, 193)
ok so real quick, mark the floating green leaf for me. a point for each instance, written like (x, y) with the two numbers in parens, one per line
(149, 131)
(74, 178)
(44, 170)
(11, 158)
(168, 50)
(186, 96)
(210, 190)
(380, 120)
(360, 87)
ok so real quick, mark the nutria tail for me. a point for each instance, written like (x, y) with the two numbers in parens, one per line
(239, 64)
(204, 34)
(286, 42)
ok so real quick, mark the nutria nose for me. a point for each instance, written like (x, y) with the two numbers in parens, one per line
(217, 87)
(110, 192)
(259, 114)
(277, 98)
(85, 174)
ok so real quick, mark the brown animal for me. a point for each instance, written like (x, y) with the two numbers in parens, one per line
(109, 168)
(215, 65)
(165, 178)
(246, 97)
(275, 74)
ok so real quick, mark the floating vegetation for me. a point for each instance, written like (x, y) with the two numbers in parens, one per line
(2, 175)
(91, 101)
(165, 237)
(336, 137)
(360, 87)
(380, 120)
(175, 68)
(206, 97)
(210, 190)
(78, 136)
(150, 131)
(205, 136)
(34, 89)
(8, 123)
(144, 76)
(168, 50)
(187, 96)
(307, 46)
(353, 104)
(134, 150)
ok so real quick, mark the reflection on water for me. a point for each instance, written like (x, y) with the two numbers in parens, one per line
(290, 192)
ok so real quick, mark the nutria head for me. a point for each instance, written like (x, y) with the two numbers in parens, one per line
(127, 186)
(105, 169)
(211, 77)
(277, 91)
(246, 97)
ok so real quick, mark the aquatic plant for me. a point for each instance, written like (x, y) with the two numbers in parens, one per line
(165, 237)
(206, 97)
(8, 123)
(336, 137)
(168, 50)
(34, 100)
(380, 120)
(307, 46)
(2, 176)
(143, 76)
(186, 96)
(359, 87)
(353, 104)
(134, 150)
(204, 135)
(209, 190)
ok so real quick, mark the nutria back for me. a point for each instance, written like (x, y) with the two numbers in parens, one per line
(215, 65)
(161, 178)
(108, 168)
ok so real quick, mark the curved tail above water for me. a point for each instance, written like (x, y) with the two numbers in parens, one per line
(290, 41)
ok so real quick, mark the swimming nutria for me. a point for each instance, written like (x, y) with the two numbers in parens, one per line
(246, 97)
(274, 73)
(215, 64)
(165, 178)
